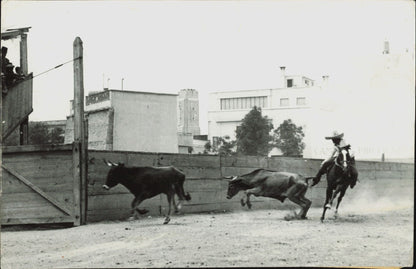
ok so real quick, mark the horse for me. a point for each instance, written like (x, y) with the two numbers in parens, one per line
(340, 175)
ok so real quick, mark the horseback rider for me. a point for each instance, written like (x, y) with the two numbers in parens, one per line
(339, 144)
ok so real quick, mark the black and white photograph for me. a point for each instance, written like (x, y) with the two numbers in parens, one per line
(216, 133)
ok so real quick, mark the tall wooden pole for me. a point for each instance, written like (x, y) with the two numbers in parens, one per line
(80, 145)
(24, 126)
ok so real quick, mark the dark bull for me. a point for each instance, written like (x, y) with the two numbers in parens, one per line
(147, 182)
(267, 183)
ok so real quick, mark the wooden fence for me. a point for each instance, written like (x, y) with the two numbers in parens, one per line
(38, 185)
(204, 181)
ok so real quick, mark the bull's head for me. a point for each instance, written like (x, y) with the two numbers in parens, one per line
(113, 176)
(233, 186)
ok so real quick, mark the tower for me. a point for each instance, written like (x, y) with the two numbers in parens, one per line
(188, 111)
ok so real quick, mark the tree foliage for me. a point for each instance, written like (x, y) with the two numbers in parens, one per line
(223, 146)
(226, 146)
(288, 138)
(253, 135)
(39, 134)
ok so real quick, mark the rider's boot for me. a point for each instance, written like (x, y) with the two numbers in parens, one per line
(317, 178)
(321, 172)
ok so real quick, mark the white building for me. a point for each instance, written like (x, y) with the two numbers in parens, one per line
(131, 121)
(298, 99)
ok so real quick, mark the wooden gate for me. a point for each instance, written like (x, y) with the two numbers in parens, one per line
(40, 185)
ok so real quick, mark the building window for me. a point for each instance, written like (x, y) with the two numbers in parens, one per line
(290, 83)
(243, 102)
(301, 101)
(284, 101)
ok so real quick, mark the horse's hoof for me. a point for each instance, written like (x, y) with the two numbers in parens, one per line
(249, 206)
(242, 202)
(166, 221)
(328, 206)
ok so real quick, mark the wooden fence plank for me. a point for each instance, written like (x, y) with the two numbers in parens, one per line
(36, 220)
(37, 190)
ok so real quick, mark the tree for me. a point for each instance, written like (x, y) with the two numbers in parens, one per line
(226, 146)
(253, 135)
(288, 138)
(38, 133)
(56, 136)
(207, 147)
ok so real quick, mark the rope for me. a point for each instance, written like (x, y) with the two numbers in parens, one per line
(44, 72)
(56, 67)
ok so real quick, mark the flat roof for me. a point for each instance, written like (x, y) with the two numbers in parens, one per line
(290, 88)
(14, 33)
(139, 92)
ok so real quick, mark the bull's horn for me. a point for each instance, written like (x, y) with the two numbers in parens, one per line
(228, 177)
(109, 163)
(232, 178)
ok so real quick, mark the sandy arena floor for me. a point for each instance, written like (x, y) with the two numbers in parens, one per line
(379, 237)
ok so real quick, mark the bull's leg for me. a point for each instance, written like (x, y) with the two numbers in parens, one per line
(176, 206)
(135, 206)
(306, 201)
(255, 191)
(170, 198)
(295, 193)
(328, 196)
(299, 202)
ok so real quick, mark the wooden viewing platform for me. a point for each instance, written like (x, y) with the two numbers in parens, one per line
(16, 104)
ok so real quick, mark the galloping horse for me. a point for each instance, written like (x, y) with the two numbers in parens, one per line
(340, 175)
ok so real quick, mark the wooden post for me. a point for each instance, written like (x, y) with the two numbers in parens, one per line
(80, 192)
(24, 127)
(1, 112)
(23, 54)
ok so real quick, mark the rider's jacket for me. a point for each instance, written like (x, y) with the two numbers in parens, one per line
(334, 153)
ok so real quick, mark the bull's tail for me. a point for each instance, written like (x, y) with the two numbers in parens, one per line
(181, 192)
(307, 179)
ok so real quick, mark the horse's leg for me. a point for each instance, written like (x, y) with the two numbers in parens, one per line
(328, 195)
(341, 195)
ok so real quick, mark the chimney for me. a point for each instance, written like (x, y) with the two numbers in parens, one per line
(386, 47)
(325, 79)
(283, 74)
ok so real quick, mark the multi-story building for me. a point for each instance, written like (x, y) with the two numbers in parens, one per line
(298, 99)
(188, 120)
(188, 112)
(131, 121)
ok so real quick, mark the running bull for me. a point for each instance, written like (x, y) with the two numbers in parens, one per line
(267, 183)
(147, 182)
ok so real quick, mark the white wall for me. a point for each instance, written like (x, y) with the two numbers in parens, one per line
(308, 116)
(145, 121)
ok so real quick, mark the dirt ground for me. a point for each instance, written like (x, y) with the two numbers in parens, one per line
(380, 237)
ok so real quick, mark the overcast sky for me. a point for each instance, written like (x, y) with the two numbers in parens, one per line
(165, 46)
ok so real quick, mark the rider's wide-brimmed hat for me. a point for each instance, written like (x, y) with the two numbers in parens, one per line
(334, 135)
